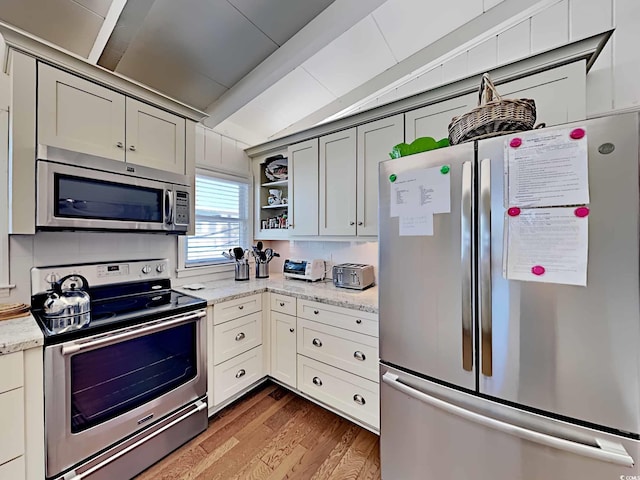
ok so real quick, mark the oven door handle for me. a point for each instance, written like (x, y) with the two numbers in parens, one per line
(72, 348)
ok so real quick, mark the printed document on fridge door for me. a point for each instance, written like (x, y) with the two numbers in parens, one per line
(547, 169)
(424, 190)
(547, 245)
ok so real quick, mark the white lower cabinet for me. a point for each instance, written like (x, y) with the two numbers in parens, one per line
(12, 470)
(236, 336)
(283, 348)
(351, 394)
(236, 374)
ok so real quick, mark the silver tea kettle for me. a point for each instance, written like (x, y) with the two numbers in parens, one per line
(68, 306)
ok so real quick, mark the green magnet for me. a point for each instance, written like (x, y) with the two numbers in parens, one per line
(393, 177)
(445, 169)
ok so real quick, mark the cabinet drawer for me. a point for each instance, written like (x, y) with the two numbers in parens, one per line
(12, 421)
(236, 374)
(12, 370)
(354, 352)
(348, 393)
(225, 311)
(236, 336)
(361, 322)
(283, 304)
(13, 470)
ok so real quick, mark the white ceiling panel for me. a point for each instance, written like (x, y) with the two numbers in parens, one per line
(353, 58)
(100, 7)
(280, 19)
(63, 22)
(410, 25)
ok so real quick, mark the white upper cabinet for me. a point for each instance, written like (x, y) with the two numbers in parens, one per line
(375, 141)
(78, 115)
(81, 116)
(338, 183)
(303, 187)
(221, 153)
(433, 120)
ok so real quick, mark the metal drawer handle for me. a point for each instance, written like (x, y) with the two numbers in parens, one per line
(239, 336)
(132, 148)
(317, 381)
(358, 355)
(282, 304)
(317, 342)
(316, 312)
(240, 307)
(291, 330)
(240, 373)
(119, 145)
(359, 399)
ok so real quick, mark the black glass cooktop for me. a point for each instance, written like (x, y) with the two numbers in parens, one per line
(120, 306)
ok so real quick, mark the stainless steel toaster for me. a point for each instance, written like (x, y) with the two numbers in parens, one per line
(353, 275)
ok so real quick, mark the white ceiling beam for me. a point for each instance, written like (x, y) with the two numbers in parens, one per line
(336, 19)
(106, 30)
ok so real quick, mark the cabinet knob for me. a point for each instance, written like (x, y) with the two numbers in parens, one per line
(120, 145)
(317, 342)
(317, 381)
(240, 373)
(352, 223)
(132, 148)
(358, 321)
(360, 223)
(282, 304)
(316, 312)
(241, 336)
(291, 225)
(240, 307)
(358, 355)
(359, 399)
(292, 330)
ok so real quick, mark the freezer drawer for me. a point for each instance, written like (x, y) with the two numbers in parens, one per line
(432, 432)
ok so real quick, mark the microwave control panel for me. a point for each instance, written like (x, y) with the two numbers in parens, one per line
(182, 208)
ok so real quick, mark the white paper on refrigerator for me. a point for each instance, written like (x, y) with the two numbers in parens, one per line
(411, 226)
(547, 168)
(548, 245)
(428, 190)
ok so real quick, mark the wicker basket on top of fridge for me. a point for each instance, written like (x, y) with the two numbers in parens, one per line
(494, 116)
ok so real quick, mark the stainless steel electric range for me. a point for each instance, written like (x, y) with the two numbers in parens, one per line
(125, 382)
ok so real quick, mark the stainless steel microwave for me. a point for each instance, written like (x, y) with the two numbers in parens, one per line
(84, 192)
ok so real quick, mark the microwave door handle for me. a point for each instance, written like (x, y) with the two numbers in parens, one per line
(168, 207)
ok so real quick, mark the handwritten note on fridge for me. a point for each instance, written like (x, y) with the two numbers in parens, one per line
(547, 169)
(548, 245)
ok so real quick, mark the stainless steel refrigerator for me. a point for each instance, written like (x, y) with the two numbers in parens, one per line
(494, 379)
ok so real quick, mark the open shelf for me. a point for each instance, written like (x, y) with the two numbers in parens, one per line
(276, 206)
(279, 183)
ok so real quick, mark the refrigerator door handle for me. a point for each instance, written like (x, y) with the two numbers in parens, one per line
(606, 451)
(484, 270)
(466, 235)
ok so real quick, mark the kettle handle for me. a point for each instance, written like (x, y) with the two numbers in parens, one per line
(57, 286)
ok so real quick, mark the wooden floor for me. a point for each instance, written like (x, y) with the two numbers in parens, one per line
(274, 434)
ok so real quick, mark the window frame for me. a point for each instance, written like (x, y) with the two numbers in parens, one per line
(222, 267)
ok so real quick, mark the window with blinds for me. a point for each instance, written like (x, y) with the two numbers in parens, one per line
(222, 220)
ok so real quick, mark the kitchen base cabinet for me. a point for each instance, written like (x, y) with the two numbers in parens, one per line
(237, 374)
(283, 348)
(13, 470)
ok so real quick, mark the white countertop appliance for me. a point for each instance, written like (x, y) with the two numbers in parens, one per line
(311, 270)
(491, 378)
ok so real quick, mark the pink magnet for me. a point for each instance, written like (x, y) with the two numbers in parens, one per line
(582, 212)
(577, 133)
(538, 270)
(513, 211)
(515, 142)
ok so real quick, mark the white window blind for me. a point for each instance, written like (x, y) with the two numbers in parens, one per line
(222, 216)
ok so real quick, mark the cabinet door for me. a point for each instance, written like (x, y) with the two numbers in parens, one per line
(375, 141)
(283, 348)
(338, 183)
(303, 187)
(233, 158)
(433, 120)
(79, 115)
(155, 138)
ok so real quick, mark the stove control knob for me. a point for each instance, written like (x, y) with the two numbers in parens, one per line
(146, 269)
(160, 268)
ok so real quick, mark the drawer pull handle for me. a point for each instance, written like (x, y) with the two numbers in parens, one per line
(359, 399)
(317, 381)
(282, 304)
(358, 321)
(119, 145)
(240, 307)
(240, 336)
(241, 373)
(291, 330)
(316, 312)
(132, 148)
(317, 342)
(358, 355)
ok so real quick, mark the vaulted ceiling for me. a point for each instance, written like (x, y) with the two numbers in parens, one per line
(260, 68)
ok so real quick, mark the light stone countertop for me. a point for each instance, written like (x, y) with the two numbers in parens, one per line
(324, 291)
(19, 334)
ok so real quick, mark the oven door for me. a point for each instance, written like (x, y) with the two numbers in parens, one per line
(101, 389)
(71, 197)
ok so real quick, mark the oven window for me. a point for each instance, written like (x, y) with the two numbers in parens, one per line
(112, 380)
(87, 198)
